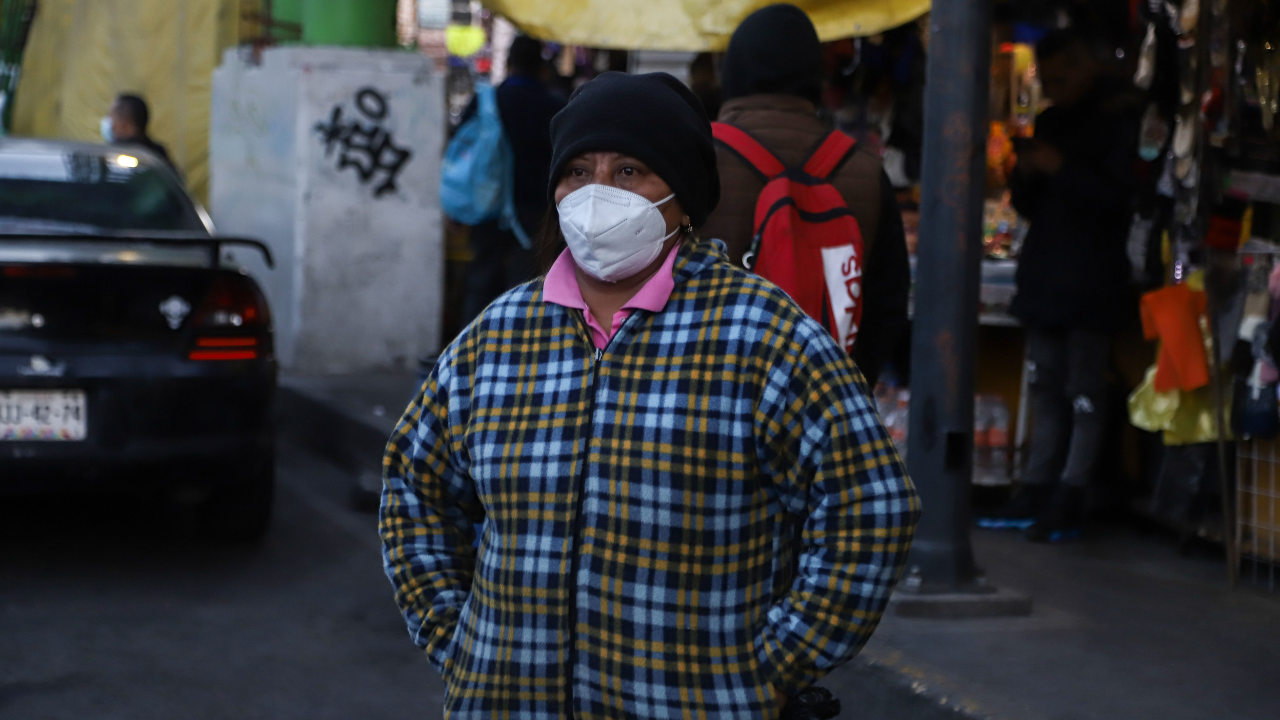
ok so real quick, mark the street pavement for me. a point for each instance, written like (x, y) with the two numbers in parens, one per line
(112, 610)
(109, 610)
(1123, 628)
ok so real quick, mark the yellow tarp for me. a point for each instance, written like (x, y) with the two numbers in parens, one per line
(689, 25)
(82, 53)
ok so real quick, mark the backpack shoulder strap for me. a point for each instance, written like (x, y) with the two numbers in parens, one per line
(749, 149)
(830, 155)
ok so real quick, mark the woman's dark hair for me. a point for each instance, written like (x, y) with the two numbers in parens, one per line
(550, 240)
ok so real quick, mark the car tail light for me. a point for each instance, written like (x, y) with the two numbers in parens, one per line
(230, 320)
(39, 271)
(225, 348)
(233, 301)
(227, 342)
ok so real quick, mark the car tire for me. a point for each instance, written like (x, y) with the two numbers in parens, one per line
(240, 512)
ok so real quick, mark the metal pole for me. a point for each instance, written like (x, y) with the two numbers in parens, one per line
(1207, 199)
(948, 276)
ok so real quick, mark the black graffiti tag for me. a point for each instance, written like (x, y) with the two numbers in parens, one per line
(368, 148)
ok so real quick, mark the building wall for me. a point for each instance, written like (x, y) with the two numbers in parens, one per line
(359, 275)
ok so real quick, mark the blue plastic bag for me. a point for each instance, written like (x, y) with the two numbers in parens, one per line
(476, 181)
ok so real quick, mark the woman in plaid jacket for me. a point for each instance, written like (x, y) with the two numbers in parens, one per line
(690, 507)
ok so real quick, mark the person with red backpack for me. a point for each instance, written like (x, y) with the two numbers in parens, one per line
(801, 205)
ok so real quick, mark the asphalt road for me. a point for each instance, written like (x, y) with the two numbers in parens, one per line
(108, 610)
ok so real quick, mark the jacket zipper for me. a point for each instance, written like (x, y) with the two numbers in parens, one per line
(580, 484)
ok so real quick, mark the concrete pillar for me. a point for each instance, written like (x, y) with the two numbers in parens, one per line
(332, 157)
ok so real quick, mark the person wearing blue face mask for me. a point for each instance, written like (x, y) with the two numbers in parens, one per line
(690, 505)
(125, 125)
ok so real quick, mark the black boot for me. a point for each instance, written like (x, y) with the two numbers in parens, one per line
(1030, 502)
(1063, 520)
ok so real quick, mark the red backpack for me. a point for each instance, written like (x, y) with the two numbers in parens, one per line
(806, 240)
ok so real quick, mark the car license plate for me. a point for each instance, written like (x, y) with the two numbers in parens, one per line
(42, 415)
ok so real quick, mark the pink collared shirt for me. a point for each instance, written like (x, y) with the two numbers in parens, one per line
(561, 287)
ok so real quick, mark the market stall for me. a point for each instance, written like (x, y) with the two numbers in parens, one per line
(1204, 241)
(1206, 162)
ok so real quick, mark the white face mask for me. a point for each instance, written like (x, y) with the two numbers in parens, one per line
(104, 127)
(612, 233)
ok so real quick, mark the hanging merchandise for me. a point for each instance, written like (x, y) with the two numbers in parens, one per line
(1257, 308)
(1163, 54)
(1223, 232)
(1173, 315)
(1184, 216)
(1188, 16)
(1230, 313)
(1255, 405)
(1211, 106)
(1266, 344)
(1186, 70)
(1184, 417)
(1150, 409)
(1136, 246)
(1154, 134)
(1267, 81)
(1146, 60)
(1184, 135)
(1254, 388)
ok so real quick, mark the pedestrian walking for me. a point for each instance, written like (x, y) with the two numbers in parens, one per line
(690, 507)
(526, 107)
(772, 86)
(1074, 183)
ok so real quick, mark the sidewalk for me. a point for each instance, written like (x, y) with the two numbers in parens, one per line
(1123, 627)
(347, 420)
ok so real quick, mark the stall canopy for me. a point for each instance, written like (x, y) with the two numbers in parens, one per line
(81, 53)
(689, 25)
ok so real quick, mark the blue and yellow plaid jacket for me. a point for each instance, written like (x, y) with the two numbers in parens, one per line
(706, 508)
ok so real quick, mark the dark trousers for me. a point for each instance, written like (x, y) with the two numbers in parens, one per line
(498, 264)
(1068, 374)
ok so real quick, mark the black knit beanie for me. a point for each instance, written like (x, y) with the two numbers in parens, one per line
(653, 118)
(775, 51)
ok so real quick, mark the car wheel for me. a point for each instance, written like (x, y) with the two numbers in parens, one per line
(241, 511)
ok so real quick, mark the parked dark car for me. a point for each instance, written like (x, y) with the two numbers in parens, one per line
(133, 356)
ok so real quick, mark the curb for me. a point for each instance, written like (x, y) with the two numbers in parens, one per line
(350, 444)
(872, 689)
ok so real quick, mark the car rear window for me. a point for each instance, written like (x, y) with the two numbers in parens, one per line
(113, 191)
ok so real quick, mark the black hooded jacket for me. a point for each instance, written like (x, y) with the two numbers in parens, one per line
(1073, 272)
